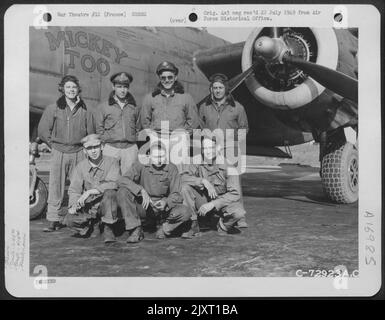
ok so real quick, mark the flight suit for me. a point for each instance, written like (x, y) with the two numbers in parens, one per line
(179, 109)
(180, 112)
(102, 177)
(230, 115)
(227, 204)
(162, 183)
(63, 129)
(118, 128)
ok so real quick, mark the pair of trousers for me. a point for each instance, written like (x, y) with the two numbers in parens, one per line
(126, 156)
(61, 168)
(102, 207)
(132, 211)
(194, 199)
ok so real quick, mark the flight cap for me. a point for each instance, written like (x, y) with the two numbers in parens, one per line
(166, 66)
(122, 78)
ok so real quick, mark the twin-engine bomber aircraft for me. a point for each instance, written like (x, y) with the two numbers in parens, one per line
(296, 84)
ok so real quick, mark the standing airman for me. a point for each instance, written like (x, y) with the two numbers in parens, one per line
(170, 113)
(118, 122)
(63, 125)
(169, 102)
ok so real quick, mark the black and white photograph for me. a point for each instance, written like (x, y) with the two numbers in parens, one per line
(201, 152)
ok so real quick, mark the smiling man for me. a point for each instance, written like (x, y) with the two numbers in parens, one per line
(118, 122)
(208, 189)
(62, 126)
(92, 192)
(169, 102)
(171, 113)
(152, 190)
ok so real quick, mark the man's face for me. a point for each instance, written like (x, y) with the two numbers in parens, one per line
(218, 90)
(121, 90)
(209, 150)
(94, 152)
(71, 90)
(158, 157)
(167, 79)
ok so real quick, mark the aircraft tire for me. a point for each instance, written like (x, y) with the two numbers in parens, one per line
(38, 205)
(340, 174)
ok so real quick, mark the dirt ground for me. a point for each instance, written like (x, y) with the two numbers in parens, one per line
(292, 226)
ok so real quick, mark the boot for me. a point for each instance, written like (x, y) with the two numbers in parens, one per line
(53, 226)
(193, 231)
(221, 228)
(86, 231)
(242, 223)
(108, 233)
(135, 235)
(160, 233)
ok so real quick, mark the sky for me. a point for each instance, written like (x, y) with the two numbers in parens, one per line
(231, 34)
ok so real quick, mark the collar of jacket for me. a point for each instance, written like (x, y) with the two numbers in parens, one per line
(178, 88)
(229, 100)
(165, 168)
(214, 168)
(129, 99)
(99, 166)
(62, 103)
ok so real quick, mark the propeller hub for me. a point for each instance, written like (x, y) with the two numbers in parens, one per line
(271, 49)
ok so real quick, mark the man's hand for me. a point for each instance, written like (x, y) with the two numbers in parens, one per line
(207, 207)
(72, 209)
(83, 199)
(210, 189)
(160, 205)
(146, 199)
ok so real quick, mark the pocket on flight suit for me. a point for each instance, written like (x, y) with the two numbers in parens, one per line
(164, 185)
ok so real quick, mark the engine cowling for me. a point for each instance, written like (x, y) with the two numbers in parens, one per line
(286, 87)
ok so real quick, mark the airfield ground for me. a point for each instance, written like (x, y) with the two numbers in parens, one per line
(292, 226)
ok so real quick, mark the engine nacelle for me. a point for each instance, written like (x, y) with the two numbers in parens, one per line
(282, 87)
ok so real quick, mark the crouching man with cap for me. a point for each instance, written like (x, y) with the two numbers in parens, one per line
(118, 122)
(152, 190)
(208, 190)
(92, 192)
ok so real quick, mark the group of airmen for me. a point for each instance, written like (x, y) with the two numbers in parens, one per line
(96, 149)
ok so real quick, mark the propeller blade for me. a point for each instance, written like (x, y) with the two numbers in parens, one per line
(236, 81)
(333, 80)
(274, 32)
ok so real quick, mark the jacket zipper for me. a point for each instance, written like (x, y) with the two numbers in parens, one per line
(123, 126)
(68, 127)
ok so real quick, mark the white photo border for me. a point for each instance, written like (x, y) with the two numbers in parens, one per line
(17, 21)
